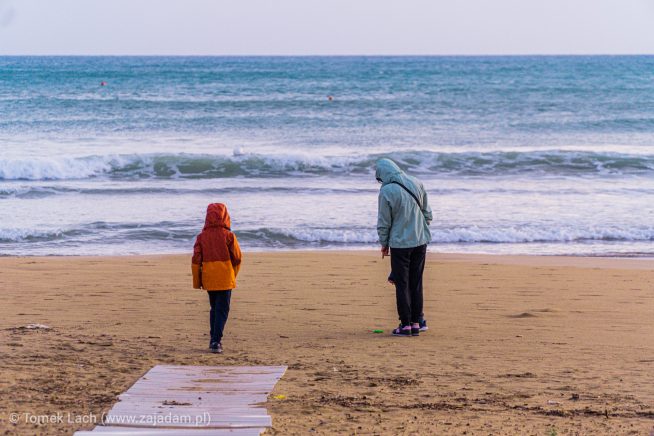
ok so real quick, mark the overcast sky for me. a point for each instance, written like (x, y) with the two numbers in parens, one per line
(315, 27)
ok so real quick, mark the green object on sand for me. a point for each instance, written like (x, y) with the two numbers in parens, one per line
(378, 331)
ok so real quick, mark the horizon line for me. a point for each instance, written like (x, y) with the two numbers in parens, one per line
(331, 55)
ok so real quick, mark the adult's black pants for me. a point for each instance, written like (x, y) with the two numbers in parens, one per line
(407, 266)
(219, 301)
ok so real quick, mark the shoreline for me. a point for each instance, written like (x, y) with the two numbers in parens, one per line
(515, 345)
(562, 260)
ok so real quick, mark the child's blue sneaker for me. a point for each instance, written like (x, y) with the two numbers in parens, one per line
(423, 326)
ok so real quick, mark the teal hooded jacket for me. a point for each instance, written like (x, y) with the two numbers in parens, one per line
(401, 222)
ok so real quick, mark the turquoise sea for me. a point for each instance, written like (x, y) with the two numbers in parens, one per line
(118, 155)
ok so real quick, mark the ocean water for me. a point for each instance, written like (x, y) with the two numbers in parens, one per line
(537, 155)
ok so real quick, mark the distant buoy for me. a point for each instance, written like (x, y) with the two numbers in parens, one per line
(103, 83)
(330, 98)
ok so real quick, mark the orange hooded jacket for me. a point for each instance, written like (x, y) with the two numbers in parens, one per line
(216, 254)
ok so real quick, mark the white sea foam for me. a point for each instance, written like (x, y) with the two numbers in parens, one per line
(25, 234)
(471, 234)
(54, 168)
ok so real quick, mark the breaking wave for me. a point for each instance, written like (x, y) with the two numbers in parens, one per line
(303, 236)
(206, 166)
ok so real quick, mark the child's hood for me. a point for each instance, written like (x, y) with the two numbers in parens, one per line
(217, 216)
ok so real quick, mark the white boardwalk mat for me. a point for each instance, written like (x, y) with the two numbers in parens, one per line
(194, 400)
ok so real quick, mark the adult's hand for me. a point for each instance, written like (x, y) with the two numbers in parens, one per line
(385, 251)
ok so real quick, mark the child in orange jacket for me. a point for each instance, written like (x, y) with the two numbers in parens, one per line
(215, 265)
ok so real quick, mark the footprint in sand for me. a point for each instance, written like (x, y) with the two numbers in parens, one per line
(531, 314)
(523, 315)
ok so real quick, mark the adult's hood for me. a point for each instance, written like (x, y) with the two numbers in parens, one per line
(217, 216)
(388, 172)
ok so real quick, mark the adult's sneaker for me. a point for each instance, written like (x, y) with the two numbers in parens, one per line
(402, 331)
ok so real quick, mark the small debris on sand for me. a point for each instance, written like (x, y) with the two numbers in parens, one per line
(174, 403)
(37, 326)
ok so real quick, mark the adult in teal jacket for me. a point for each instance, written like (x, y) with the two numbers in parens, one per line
(403, 222)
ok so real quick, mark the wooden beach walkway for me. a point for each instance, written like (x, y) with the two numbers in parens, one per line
(194, 400)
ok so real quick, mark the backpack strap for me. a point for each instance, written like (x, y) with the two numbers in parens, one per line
(410, 193)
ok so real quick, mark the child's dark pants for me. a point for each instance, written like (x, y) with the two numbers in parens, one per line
(219, 312)
(408, 265)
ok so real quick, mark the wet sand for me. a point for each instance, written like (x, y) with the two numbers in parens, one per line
(517, 345)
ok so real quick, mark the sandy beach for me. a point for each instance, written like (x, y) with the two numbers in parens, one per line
(517, 345)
